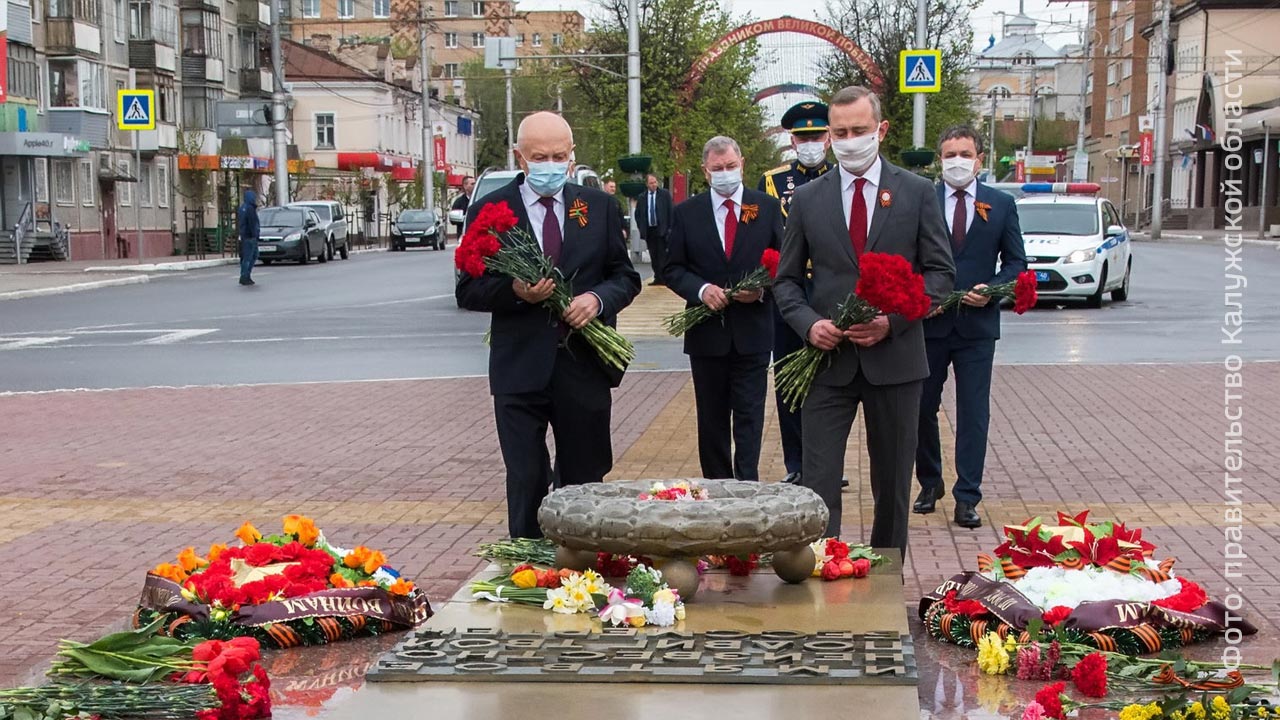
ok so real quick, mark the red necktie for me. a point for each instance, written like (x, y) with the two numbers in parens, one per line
(958, 222)
(858, 218)
(551, 237)
(730, 227)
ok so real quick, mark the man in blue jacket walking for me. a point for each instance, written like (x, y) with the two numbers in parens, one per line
(247, 221)
(986, 242)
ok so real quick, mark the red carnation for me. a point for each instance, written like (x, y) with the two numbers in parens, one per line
(1090, 675)
(741, 566)
(889, 283)
(969, 608)
(769, 259)
(1056, 615)
(837, 549)
(1024, 292)
(1190, 598)
(495, 217)
(1050, 698)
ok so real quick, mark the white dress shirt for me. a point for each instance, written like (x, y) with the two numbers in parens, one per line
(538, 213)
(869, 190)
(721, 214)
(970, 200)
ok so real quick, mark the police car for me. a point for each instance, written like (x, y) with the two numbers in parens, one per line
(1076, 243)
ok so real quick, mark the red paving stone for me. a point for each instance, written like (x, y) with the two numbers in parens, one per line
(97, 486)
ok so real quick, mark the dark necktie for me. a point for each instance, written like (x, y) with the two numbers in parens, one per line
(858, 218)
(653, 209)
(730, 227)
(551, 237)
(958, 222)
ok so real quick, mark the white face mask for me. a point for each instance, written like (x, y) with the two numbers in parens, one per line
(726, 182)
(811, 154)
(856, 154)
(958, 172)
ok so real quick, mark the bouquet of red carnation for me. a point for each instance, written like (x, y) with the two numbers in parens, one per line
(887, 285)
(1022, 291)
(760, 278)
(494, 244)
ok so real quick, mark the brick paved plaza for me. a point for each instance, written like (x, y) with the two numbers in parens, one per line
(95, 487)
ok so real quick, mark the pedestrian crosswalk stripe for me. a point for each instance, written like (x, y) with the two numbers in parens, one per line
(920, 73)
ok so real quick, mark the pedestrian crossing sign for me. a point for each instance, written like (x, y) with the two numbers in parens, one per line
(920, 71)
(135, 109)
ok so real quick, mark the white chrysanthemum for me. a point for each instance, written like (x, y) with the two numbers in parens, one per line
(1054, 586)
(661, 614)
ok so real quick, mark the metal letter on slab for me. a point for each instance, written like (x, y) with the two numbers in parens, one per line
(775, 657)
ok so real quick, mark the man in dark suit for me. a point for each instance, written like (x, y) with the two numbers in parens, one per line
(653, 217)
(868, 205)
(539, 372)
(462, 202)
(717, 239)
(986, 242)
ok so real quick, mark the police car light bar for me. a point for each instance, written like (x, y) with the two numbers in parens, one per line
(1056, 187)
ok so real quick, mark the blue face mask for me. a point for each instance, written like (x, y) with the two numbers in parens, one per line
(546, 178)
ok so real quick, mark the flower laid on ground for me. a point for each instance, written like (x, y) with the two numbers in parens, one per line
(1034, 664)
(611, 565)
(679, 490)
(1021, 290)
(1050, 698)
(645, 599)
(741, 565)
(494, 244)
(1034, 711)
(887, 285)
(1090, 675)
(226, 666)
(993, 658)
(836, 560)
(520, 550)
(295, 564)
(758, 279)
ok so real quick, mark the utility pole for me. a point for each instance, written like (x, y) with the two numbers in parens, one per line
(1161, 136)
(633, 77)
(1079, 171)
(991, 144)
(1031, 115)
(428, 141)
(511, 128)
(1262, 192)
(137, 164)
(918, 102)
(277, 110)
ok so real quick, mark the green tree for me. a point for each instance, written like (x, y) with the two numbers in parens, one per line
(673, 34)
(534, 88)
(883, 28)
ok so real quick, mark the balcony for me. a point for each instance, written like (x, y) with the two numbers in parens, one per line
(92, 126)
(255, 81)
(199, 69)
(249, 12)
(67, 36)
(152, 55)
(164, 137)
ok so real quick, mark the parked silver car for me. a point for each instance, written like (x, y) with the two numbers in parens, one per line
(418, 228)
(291, 233)
(333, 219)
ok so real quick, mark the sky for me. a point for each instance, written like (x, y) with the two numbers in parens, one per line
(986, 18)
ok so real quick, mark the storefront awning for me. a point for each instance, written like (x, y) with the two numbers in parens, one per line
(380, 162)
(41, 144)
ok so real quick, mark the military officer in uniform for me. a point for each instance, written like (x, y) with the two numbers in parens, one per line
(807, 122)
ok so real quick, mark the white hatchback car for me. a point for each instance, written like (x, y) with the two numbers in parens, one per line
(1078, 247)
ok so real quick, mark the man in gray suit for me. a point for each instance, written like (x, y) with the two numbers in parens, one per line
(868, 206)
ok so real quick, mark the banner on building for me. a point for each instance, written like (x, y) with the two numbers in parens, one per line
(1147, 149)
(439, 154)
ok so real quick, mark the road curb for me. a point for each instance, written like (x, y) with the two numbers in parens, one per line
(1189, 239)
(163, 267)
(74, 287)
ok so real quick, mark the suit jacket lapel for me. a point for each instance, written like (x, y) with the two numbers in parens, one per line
(879, 213)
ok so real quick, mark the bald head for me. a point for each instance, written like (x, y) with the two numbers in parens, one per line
(544, 136)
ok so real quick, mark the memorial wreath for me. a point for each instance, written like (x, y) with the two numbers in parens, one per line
(289, 589)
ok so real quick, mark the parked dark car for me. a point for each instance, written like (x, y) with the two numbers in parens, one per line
(291, 234)
(418, 228)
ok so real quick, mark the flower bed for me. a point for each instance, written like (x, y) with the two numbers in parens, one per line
(286, 590)
(1097, 582)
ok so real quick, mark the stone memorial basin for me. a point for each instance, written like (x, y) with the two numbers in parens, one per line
(739, 518)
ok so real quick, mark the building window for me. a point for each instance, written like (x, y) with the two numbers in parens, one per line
(1124, 105)
(1115, 39)
(86, 183)
(42, 180)
(520, 40)
(199, 106)
(63, 189)
(451, 39)
(1115, 6)
(231, 52)
(153, 22)
(324, 131)
(1088, 84)
(201, 33)
(249, 50)
(999, 91)
(557, 40)
(451, 8)
(24, 72)
(381, 8)
(1112, 74)
(310, 8)
(162, 182)
(346, 8)
(477, 8)
(144, 185)
(1111, 104)
(1126, 68)
(477, 39)
(1128, 29)
(537, 39)
(124, 190)
(77, 83)
(121, 20)
(451, 70)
